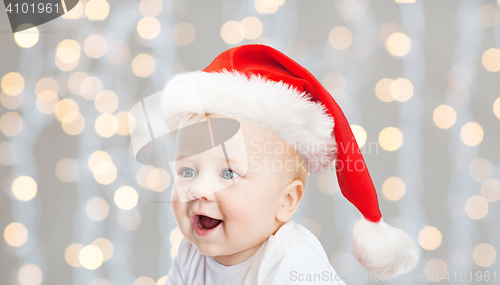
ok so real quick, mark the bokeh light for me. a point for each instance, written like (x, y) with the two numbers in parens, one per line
(105, 172)
(126, 123)
(143, 65)
(476, 207)
(28, 37)
(327, 182)
(47, 83)
(393, 188)
(158, 180)
(105, 246)
(126, 198)
(96, 10)
(73, 123)
(183, 34)
(176, 237)
(142, 175)
(480, 169)
(144, 280)
(12, 83)
(398, 44)
(484, 255)
(129, 220)
(91, 257)
(491, 59)
(97, 209)
(435, 269)
(90, 87)
(24, 188)
(68, 52)
(457, 92)
(97, 157)
(232, 32)
(106, 125)
(148, 28)
(46, 102)
(471, 134)
(64, 107)
(72, 255)
(387, 29)
(30, 274)
(70, 117)
(252, 27)
(390, 138)
(67, 169)
(8, 153)
(313, 226)
(75, 13)
(106, 102)
(340, 38)
(75, 80)
(490, 190)
(151, 7)
(162, 280)
(430, 238)
(444, 116)
(15, 234)
(334, 82)
(359, 134)
(95, 46)
(383, 90)
(267, 6)
(11, 102)
(401, 89)
(488, 15)
(496, 108)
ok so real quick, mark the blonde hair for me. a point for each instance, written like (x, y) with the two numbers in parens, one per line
(299, 168)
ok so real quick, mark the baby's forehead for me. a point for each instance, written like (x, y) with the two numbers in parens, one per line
(258, 140)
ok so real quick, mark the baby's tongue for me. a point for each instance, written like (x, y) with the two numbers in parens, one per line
(209, 223)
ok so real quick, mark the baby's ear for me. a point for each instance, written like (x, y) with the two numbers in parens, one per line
(291, 196)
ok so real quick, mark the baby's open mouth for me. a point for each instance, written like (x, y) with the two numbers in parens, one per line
(207, 223)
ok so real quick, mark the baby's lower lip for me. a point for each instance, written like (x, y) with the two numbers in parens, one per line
(200, 231)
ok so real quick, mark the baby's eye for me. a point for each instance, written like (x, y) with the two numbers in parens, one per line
(188, 172)
(229, 174)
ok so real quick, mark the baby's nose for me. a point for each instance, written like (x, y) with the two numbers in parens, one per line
(203, 187)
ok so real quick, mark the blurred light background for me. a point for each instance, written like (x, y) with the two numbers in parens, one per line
(418, 80)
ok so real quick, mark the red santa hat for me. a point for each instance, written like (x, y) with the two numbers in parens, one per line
(260, 84)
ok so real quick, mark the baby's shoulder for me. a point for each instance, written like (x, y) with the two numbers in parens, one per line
(296, 244)
(296, 236)
(297, 255)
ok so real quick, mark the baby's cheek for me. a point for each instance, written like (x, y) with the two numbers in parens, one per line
(177, 206)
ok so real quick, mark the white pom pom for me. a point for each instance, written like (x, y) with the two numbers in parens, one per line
(383, 249)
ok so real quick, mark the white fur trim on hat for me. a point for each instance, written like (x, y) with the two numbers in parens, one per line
(275, 106)
(383, 249)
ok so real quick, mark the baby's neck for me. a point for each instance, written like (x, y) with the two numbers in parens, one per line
(238, 257)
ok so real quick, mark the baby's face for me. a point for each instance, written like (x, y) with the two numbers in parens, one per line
(228, 210)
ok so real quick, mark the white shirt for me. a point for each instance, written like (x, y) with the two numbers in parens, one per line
(293, 255)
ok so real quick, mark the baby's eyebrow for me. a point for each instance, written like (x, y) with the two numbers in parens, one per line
(180, 157)
(228, 161)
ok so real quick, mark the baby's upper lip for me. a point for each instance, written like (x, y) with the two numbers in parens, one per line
(203, 214)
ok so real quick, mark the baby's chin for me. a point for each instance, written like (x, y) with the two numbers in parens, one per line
(210, 248)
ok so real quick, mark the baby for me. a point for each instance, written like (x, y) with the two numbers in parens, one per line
(237, 221)
(249, 128)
